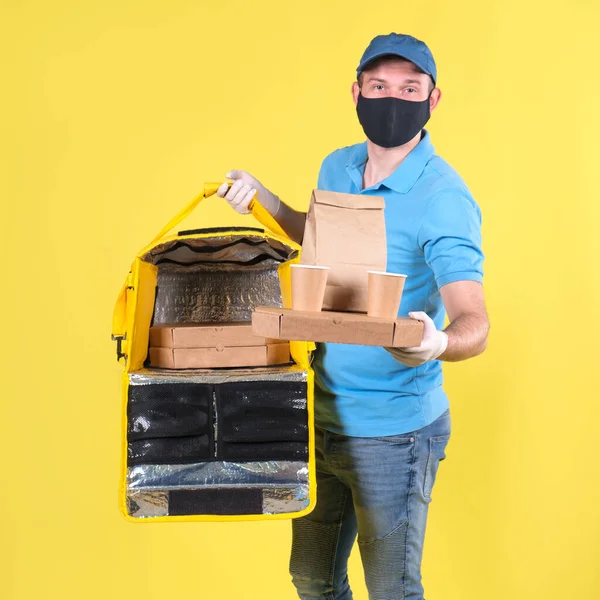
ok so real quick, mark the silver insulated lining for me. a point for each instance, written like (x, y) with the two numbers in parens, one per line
(216, 376)
(217, 279)
(280, 486)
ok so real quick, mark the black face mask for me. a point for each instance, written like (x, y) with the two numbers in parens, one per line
(390, 122)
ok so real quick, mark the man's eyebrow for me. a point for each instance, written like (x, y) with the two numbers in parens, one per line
(379, 80)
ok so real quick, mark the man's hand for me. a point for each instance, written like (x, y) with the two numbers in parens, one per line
(434, 343)
(465, 337)
(243, 190)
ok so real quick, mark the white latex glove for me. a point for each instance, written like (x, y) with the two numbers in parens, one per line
(243, 189)
(434, 343)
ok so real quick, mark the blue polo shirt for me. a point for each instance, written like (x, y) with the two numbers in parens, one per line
(433, 229)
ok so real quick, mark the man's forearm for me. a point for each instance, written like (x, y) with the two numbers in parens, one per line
(291, 221)
(467, 337)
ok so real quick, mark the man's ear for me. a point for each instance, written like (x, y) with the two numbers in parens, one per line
(434, 98)
(355, 92)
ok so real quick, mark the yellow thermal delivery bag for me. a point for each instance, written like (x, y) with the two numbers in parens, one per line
(212, 444)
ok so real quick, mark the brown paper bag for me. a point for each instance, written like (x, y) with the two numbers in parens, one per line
(345, 232)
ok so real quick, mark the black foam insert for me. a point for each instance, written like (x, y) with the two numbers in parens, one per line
(257, 421)
(168, 409)
(169, 423)
(173, 423)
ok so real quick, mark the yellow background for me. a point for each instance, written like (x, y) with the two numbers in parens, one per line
(113, 114)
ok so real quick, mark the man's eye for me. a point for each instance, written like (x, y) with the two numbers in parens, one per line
(411, 90)
(379, 86)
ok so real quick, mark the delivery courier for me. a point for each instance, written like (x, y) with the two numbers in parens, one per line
(381, 415)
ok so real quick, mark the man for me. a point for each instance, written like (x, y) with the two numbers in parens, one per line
(382, 417)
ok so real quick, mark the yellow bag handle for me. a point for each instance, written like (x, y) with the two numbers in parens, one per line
(259, 212)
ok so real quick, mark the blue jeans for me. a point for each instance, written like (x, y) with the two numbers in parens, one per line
(376, 487)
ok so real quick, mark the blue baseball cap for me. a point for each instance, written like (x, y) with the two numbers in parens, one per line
(402, 45)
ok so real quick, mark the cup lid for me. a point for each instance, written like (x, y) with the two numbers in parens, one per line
(386, 273)
(310, 266)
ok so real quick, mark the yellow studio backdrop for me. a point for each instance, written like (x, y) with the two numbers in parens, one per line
(112, 116)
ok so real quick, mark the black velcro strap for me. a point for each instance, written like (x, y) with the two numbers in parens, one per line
(230, 501)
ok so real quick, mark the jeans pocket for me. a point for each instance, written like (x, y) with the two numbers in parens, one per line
(437, 453)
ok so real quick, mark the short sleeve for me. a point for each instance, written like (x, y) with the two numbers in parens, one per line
(321, 178)
(322, 181)
(450, 236)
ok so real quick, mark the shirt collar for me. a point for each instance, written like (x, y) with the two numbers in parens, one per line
(407, 173)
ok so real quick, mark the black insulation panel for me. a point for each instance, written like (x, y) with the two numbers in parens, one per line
(174, 423)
